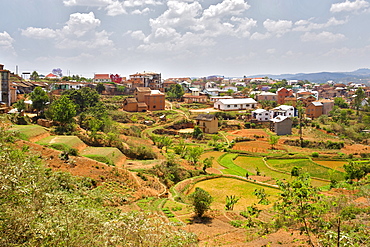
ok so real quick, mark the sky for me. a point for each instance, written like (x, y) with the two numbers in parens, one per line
(188, 38)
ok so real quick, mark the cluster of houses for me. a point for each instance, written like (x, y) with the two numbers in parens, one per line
(148, 90)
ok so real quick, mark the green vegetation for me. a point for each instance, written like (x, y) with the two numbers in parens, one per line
(106, 155)
(219, 188)
(201, 200)
(306, 166)
(28, 131)
(66, 141)
(40, 207)
(227, 161)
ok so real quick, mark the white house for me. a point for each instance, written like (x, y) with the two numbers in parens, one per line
(261, 115)
(216, 98)
(235, 104)
(283, 110)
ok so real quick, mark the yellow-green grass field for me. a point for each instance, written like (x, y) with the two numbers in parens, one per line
(68, 141)
(306, 166)
(219, 188)
(107, 155)
(336, 165)
(27, 132)
(252, 163)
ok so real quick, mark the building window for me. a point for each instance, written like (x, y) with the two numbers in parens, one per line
(228, 106)
(235, 105)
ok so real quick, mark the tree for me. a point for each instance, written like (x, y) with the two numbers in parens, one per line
(338, 101)
(201, 201)
(162, 141)
(230, 202)
(207, 163)
(356, 170)
(63, 110)
(175, 92)
(34, 76)
(84, 98)
(20, 105)
(39, 99)
(295, 171)
(273, 140)
(301, 112)
(301, 205)
(360, 96)
(197, 133)
(100, 87)
(193, 154)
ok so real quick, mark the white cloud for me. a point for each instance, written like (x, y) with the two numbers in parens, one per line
(308, 25)
(79, 24)
(98, 3)
(79, 32)
(226, 7)
(140, 12)
(278, 27)
(271, 51)
(138, 35)
(260, 36)
(326, 37)
(39, 33)
(6, 45)
(184, 19)
(115, 7)
(6, 41)
(349, 6)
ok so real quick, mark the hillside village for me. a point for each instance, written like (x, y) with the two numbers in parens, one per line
(147, 145)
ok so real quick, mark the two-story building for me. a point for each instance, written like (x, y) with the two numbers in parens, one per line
(282, 94)
(145, 99)
(314, 109)
(283, 110)
(151, 80)
(261, 115)
(208, 123)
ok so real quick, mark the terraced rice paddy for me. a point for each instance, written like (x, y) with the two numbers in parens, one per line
(219, 188)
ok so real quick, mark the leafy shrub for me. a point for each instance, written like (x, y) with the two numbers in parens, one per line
(315, 154)
(236, 223)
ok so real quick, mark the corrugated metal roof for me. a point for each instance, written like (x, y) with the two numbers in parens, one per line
(238, 101)
(315, 103)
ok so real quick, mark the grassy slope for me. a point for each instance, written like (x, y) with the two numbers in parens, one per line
(101, 153)
(69, 141)
(28, 131)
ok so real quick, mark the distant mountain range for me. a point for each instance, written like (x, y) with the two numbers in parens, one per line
(357, 76)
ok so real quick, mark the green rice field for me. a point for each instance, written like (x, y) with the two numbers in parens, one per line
(251, 164)
(219, 188)
(306, 166)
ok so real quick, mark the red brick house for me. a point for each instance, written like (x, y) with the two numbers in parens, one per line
(282, 93)
(314, 109)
